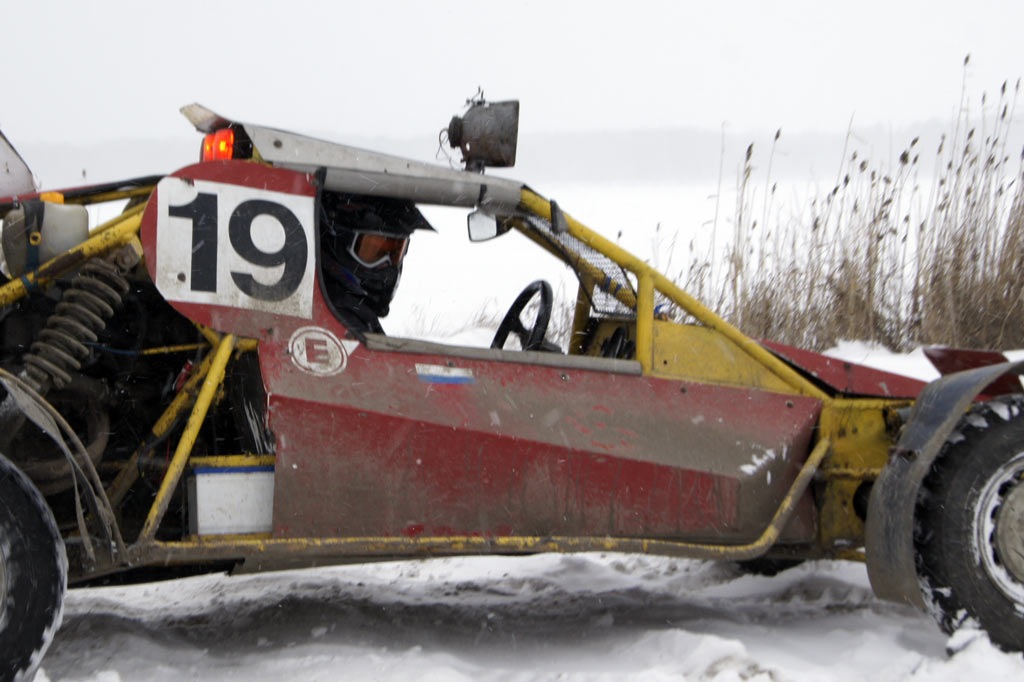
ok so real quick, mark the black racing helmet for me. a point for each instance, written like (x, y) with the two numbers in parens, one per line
(368, 237)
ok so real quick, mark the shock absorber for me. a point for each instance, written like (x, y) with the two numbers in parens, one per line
(95, 292)
(58, 351)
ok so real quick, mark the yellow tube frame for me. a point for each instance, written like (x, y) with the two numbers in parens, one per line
(119, 488)
(124, 230)
(211, 383)
(649, 281)
(111, 235)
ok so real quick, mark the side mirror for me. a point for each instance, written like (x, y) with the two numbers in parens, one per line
(483, 226)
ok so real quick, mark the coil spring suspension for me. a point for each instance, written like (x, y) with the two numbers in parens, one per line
(95, 292)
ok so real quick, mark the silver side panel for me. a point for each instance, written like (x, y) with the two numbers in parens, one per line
(15, 176)
(529, 357)
(359, 171)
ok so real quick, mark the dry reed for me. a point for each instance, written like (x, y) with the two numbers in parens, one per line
(874, 260)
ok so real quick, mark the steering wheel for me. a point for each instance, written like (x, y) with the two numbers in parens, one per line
(533, 338)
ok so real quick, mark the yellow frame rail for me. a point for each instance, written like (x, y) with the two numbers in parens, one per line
(211, 383)
(235, 546)
(649, 281)
(113, 234)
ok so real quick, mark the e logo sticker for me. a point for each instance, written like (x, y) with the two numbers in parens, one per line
(319, 352)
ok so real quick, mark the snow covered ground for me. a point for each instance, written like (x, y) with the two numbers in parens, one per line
(547, 617)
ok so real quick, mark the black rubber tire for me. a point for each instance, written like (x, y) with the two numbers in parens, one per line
(972, 498)
(33, 575)
(768, 568)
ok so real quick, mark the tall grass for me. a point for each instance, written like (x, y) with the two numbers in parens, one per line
(896, 251)
(886, 255)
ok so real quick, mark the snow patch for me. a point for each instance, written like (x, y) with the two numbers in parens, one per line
(578, 618)
(977, 421)
(914, 364)
(1002, 410)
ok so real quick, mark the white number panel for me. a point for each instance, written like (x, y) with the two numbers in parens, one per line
(235, 246)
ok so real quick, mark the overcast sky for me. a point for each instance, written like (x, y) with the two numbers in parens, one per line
(92, 71)
(93, 91)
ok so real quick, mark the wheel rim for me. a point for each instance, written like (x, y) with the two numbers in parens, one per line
(3, 587)
(999, 529)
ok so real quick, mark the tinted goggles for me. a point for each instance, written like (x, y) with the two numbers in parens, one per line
(373, 250)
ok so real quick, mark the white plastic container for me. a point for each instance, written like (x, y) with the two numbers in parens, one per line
(64, 226)
(231, 500)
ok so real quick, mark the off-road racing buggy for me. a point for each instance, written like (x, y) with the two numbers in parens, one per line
(179, 395)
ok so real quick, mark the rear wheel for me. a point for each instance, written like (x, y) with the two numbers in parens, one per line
(970, 531)
(33, 575)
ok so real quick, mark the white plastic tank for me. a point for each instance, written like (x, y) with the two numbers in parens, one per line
(63, 226)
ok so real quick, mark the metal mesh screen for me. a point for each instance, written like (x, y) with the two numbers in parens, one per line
(576, 253)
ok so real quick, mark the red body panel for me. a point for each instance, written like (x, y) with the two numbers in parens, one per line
(383, 442)
(382, 448)
(951, 360)
(848, 377)
(241, 321)
(523, 449)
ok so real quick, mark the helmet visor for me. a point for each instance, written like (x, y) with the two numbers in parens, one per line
(373, 250)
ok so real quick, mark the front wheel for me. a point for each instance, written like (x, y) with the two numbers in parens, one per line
(969, 533)
(33, 575)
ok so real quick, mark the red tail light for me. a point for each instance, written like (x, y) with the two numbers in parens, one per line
(219, 145)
